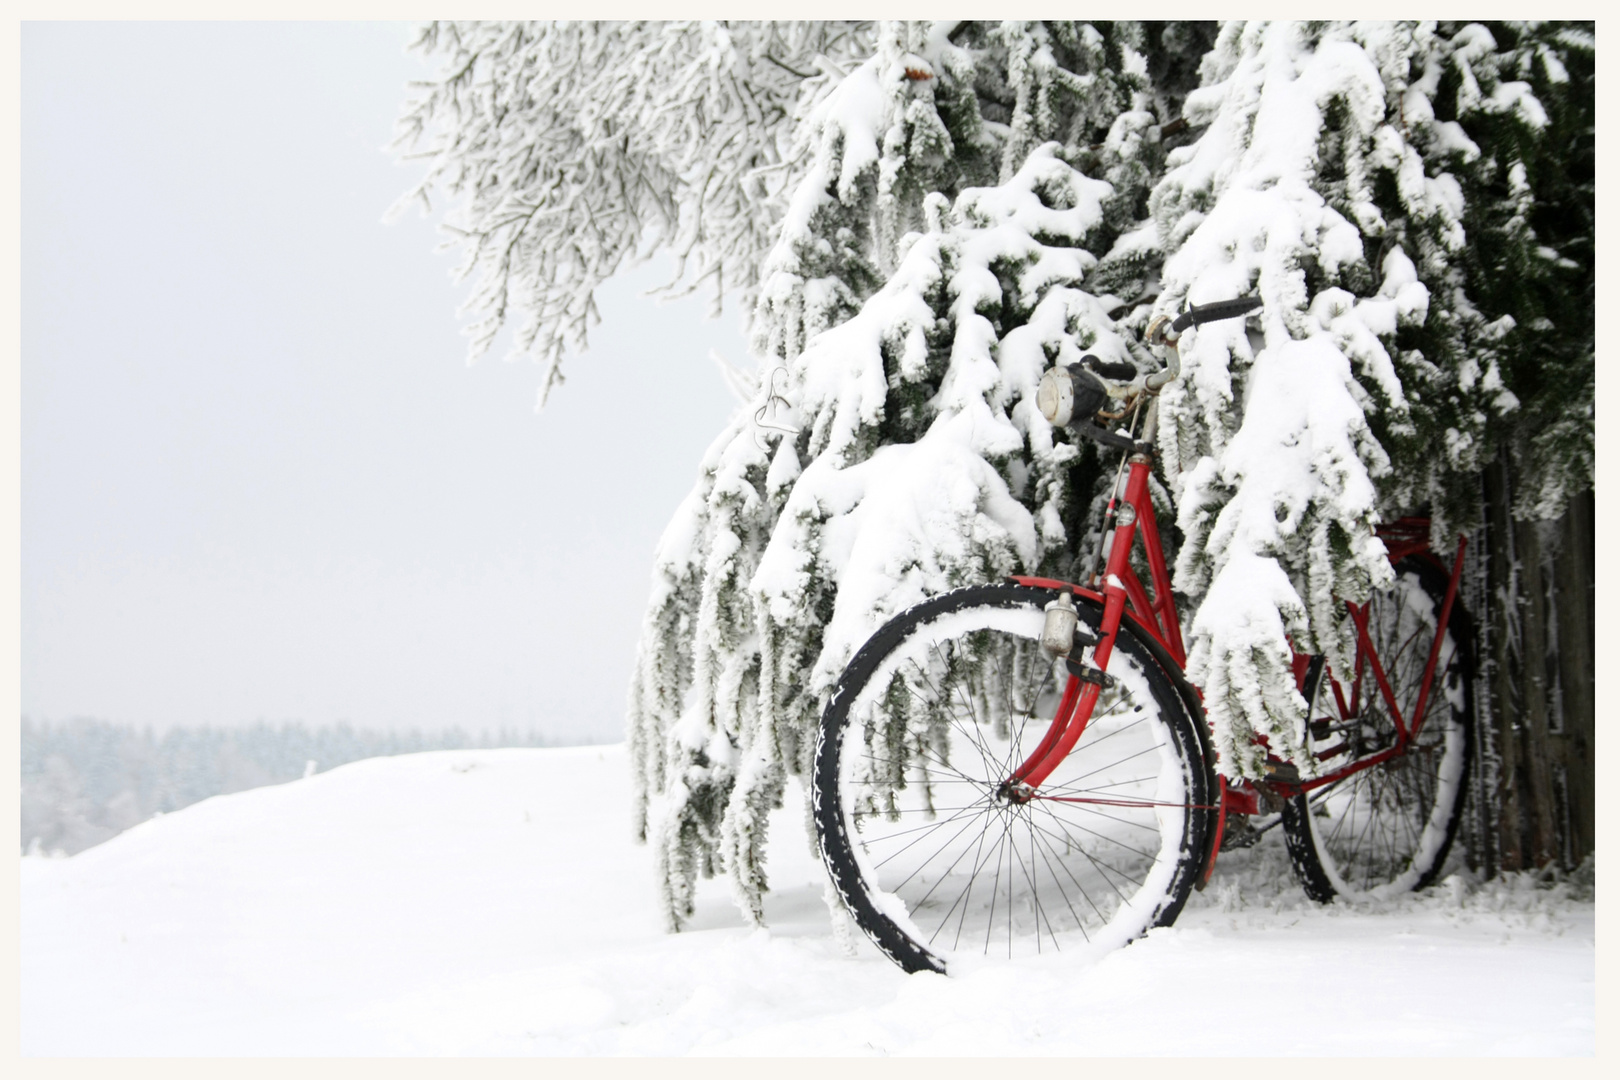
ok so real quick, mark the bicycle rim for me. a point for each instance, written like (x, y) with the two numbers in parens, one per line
(1387, 829)
(934, 860)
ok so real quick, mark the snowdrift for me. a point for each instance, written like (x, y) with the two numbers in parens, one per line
(492, 902)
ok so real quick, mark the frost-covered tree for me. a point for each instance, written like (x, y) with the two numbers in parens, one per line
(579, 148)
(927, 215)
(1308, 187)
(1335, 177)
(1517, 99)
(931, 265)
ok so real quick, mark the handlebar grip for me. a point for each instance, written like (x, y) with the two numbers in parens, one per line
(1199, 314)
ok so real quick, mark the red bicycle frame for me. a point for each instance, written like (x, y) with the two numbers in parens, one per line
(1123, 596)
(1406, 726)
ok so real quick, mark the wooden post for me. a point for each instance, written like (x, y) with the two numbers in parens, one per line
(1501, 598)
(1572, 598)
(1481, 832)
(1537, 687)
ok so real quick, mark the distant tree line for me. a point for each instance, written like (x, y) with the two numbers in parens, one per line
(85, 781)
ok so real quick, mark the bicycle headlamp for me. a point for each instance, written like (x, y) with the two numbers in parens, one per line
(1055, 396)
(1066, 394)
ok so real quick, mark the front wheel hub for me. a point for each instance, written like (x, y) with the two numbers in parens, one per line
(1014, 792)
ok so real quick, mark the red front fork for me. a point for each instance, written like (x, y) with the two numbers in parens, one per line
(1079, 696)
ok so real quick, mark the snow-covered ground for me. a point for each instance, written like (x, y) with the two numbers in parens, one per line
(492, 902)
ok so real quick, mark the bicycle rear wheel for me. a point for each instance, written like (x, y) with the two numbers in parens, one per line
(1387, 829)
(931, 856)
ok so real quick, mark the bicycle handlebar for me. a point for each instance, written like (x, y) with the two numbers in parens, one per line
(1071, 396)
(1199, 314)
(1195, 315)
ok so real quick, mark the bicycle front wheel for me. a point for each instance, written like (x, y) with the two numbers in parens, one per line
(932, 856)
(1387, 829)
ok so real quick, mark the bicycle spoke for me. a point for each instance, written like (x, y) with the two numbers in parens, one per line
(1082, 807)
(972, 715)
(1121, 761)
(1047, 839)
(1102, 836)
(1088, 855)
(962, 898)
(1034, 839)
(907, 879)
(955, 722)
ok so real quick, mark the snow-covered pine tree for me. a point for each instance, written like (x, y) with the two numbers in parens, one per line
(1519, 99)
(1474, 114)
(1341, 174)
(1325, 181)
(931, 265)
(579, 148)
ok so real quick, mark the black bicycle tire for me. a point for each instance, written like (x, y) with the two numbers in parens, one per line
(833, 839)
(1300, 836)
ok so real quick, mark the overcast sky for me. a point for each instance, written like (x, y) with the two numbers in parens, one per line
(259, 481)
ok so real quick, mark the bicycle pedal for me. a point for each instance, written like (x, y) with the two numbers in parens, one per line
(1239, 834)
(1087, 673)
(1282, 772)
(1321, 729)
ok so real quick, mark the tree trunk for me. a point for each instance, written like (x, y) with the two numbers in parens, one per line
(1572, 597)
(1500, 598)
(1537, 745)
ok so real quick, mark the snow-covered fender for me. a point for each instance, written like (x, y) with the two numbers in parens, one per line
(1189, 693)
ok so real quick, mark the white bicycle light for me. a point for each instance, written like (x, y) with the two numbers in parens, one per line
(1055, 396)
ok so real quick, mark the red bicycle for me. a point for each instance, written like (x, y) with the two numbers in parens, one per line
(1024, 767)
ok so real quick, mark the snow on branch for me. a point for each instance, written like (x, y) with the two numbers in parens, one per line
(790, 557)
(572, 150)
(1266, 439)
